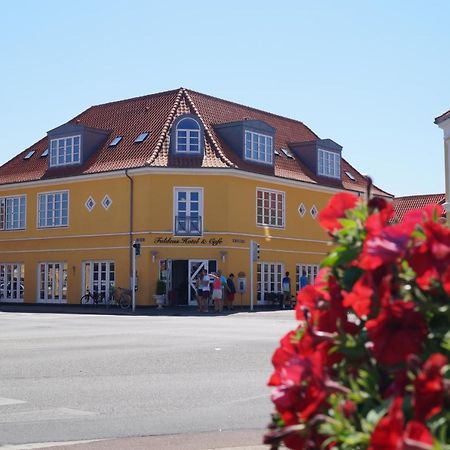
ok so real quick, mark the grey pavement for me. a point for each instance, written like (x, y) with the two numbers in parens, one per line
(170, 379)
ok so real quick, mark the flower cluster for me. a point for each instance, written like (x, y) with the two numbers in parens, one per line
(367, 367)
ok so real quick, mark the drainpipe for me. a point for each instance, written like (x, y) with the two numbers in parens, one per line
(130, 232)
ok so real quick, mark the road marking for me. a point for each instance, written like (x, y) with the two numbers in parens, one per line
(42, 415)
(10, 401)
(45, 445)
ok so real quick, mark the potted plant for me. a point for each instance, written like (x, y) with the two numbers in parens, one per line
(160, 293)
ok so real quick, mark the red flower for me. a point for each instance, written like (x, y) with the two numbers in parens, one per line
(335, 210)
(429, 388)
(398, 331)
(417, 437)
(360, 298)
(302, 387)
(388, 432)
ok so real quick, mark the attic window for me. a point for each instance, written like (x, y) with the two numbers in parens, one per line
(286, 152)
(142, 137)
(329, 163)
(258, 147)
(116, 140)
(350, 176)
(29, 154)
(44, 153)
(276, 152)
(188, 134)
(65, 151)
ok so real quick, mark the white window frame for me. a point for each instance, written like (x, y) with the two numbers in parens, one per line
(190, 134)
(258, 147)
(311, 273)
(13, 209)
(328, 163)
(273, 213)
(98, 286)
(59, 156)
(188, 190)
(52, 282)
(268, 281)
(61, 217)
(8, 273)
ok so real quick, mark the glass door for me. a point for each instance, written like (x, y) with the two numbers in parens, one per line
(98, 277)
(195, 266)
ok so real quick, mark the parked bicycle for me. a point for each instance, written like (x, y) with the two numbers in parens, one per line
(120, 297)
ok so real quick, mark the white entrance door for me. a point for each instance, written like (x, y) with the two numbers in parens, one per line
(98, 276)
(11, 282)
(194, 268)
(53, 282)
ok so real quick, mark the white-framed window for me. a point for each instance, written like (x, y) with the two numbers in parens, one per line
(188, 134)
(98, 277)
(329, 163)
(258, 147)
(12, 276)
(311, 271)
(270, 207)
(268, 280)
(188, 211)
(13, 212)
(65, 151)
(52, 279)
(53, 209)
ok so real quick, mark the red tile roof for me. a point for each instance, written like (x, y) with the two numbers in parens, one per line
(156, 113)
(404, 204)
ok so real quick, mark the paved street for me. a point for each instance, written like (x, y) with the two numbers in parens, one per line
(70, 377)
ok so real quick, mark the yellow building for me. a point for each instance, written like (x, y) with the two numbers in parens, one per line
(192, 179)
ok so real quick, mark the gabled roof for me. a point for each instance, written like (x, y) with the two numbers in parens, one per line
(155, 113)
(409, 203)
(442, 117)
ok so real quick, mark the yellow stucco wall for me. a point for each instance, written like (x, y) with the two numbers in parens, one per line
(103, 234)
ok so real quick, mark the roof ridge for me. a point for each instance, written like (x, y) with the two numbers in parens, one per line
(208, 131)
(253, 109)
(419, 195)
(155, 94)
(165, 128)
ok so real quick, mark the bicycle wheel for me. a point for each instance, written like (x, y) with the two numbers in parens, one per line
(125, 301)
(85, 300)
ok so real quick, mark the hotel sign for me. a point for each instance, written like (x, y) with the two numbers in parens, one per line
(214, 241)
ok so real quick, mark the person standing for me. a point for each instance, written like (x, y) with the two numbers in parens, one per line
(286, 284)
(303, 280)
(230, 292)
(205, 291)
(217, 293)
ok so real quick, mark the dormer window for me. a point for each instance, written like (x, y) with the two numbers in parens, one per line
(65, 151)
(188, 133)
(258, 147)
(329, 163)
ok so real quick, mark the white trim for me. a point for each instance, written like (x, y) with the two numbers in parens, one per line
(6, 198)
(255, 147)
(41, 227)
(142, 171)
(187, 189)
(65, 139)
(62, 266)
(283, 212)
(151, 233)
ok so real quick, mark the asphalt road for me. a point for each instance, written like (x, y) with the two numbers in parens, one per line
(70, 377)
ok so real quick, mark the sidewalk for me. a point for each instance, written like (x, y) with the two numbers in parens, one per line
(140, 310)
(220, 440)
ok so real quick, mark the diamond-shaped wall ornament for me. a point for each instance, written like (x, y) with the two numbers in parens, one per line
(90, 204)
(302, 210)
(106, 202)
(314, 211)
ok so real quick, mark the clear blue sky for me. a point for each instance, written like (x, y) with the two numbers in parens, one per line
(370, 75)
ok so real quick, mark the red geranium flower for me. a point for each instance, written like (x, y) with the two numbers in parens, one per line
(429, 388)
(398, 331)
(335, 210)
(388, 432)
(417, 437)
(360, 298)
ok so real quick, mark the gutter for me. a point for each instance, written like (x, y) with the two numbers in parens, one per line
(130, 231)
